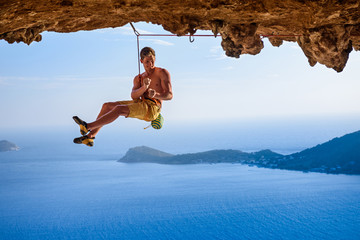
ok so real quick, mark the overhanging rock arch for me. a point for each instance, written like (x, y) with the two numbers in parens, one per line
(327, 31)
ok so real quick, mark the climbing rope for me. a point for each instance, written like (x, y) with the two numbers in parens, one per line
(138, 46)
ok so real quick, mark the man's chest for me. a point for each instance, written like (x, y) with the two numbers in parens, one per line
(155, 83)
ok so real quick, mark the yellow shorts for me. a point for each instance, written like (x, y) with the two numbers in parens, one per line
(143, 109)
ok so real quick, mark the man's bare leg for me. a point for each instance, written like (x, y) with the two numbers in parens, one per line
(107, 116)
(106, 107)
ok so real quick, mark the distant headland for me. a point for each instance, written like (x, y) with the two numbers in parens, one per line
(8, 146)
(338, 156)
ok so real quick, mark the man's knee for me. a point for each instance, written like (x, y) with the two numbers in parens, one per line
(122, 110)
(109, 106)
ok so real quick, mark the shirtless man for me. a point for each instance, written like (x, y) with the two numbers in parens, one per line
(149, 90)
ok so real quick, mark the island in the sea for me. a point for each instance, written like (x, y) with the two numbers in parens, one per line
(8, 146)
(339, 155)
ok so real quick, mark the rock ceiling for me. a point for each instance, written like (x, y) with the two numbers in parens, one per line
(326, 30)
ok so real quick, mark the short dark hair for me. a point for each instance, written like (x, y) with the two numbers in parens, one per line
(147, 51)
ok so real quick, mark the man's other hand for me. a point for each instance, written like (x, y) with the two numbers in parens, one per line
(151, 93)
(147, 82)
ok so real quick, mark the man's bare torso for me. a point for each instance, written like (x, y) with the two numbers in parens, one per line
(155, 83)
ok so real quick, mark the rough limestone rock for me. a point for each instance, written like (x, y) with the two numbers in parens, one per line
(326, 30)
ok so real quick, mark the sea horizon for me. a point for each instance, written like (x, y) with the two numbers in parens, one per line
(284, 137)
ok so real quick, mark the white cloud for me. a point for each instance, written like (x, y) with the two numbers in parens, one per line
(217, 53)
(273, 75)
(128, 31)
(58, 82)
(87, 79)
(157, 41)
(228, 68)
(215, 49)
(11, 81)
(3, 81)
(222, 56)
(297, 47)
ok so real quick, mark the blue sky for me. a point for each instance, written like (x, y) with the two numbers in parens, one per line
(46, 83)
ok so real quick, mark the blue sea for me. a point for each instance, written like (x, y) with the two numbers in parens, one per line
(92, 196)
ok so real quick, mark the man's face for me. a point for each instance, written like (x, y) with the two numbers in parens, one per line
(148, 62)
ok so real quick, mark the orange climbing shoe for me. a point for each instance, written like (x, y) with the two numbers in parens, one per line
(85, 140)
(83, 125)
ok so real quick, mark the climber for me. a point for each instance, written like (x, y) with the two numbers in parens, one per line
(149, 90)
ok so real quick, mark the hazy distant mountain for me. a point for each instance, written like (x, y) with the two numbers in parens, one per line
(339, 155)
(149, 155)
(144, 154)
(222, 156)
(8, 146)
